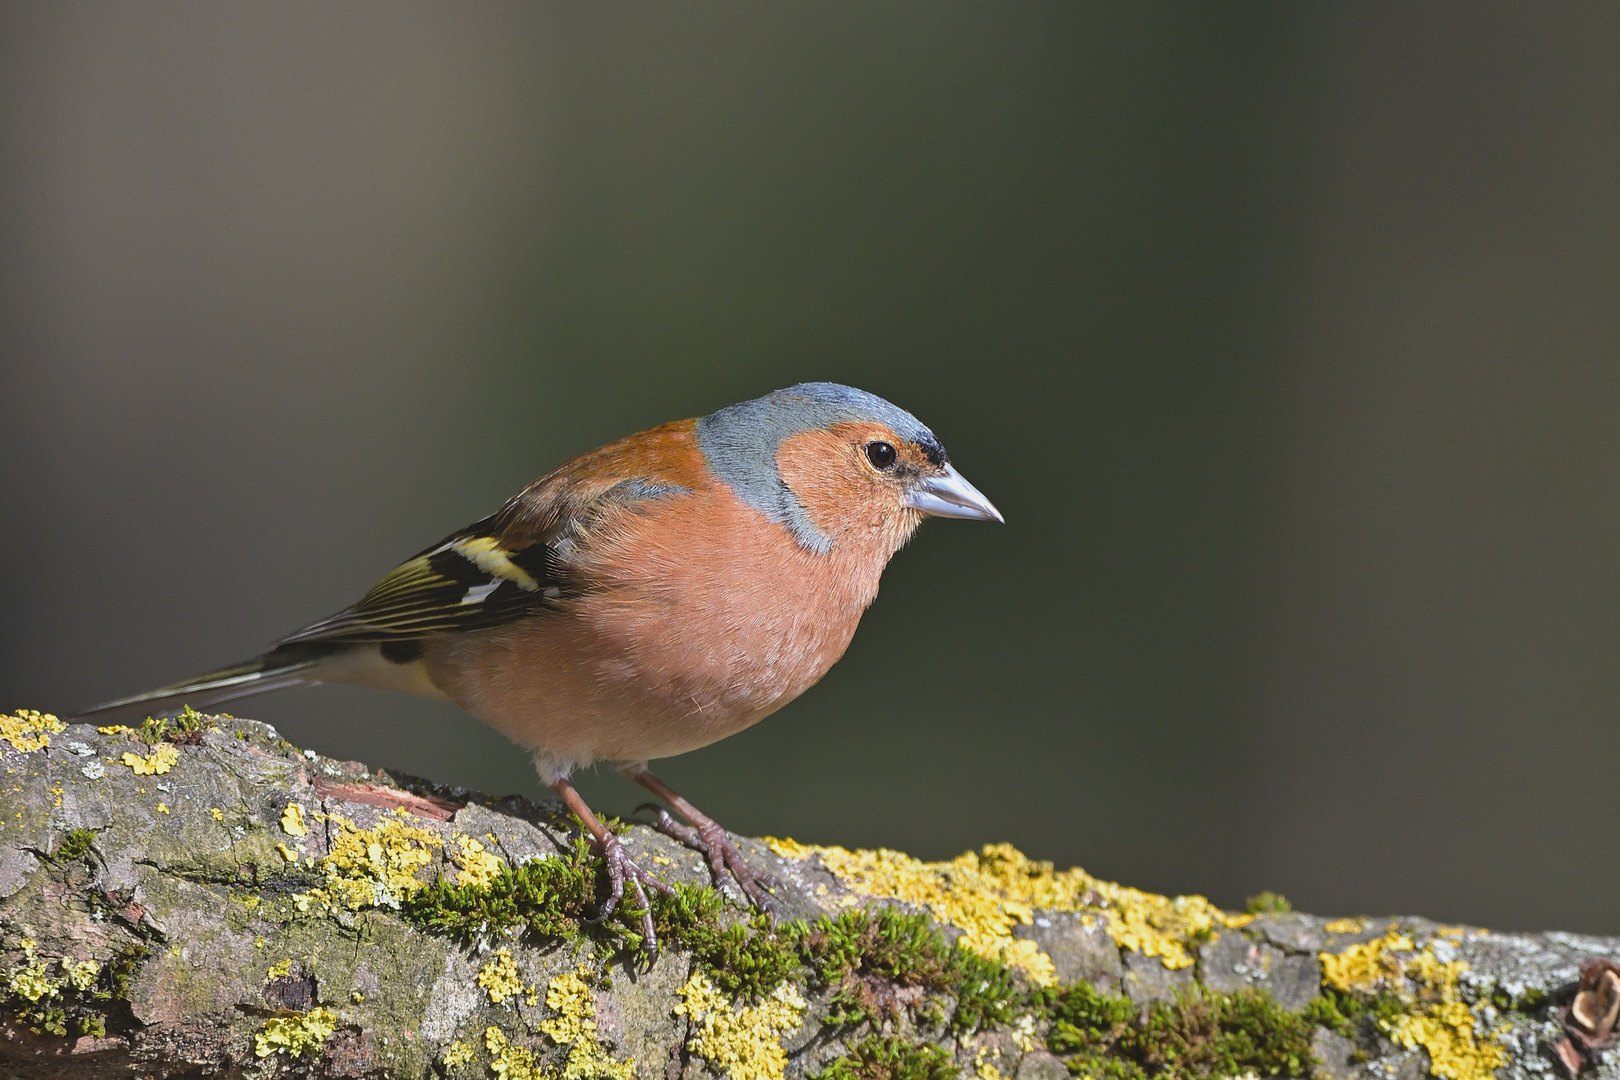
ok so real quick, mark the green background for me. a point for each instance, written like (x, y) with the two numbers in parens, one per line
(1284, 336)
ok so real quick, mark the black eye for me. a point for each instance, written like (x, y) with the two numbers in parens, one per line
(880, 454)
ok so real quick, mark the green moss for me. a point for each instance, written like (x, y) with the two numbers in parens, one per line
(1200, 1034)
(49, 1021)
(1100, 1067)
(692, 906)
(1532, 1000)
(865, 957)
(549, 898)
(1228, 1035)
(557, 898)
(616, 825)
(187, 727)
(1343, 1012)
(75, 845)
(1267, 903)
(987, 993)
(117, 973)
(886, 1057)
(1325, 1010)
(1084, 1017)
(748, 958)
(886, 942)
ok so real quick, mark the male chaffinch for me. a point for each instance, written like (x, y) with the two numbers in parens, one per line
(642, 600)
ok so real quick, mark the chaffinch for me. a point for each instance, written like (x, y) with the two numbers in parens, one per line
(642, 600)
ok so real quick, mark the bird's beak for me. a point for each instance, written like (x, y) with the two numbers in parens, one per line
(951, 496)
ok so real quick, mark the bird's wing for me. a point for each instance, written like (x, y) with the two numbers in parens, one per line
(512, 564)
(467, 581)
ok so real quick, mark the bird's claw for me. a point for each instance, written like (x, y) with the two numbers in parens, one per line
(723, 856)
(620, 868)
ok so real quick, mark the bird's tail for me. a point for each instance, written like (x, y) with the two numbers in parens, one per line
(279, 669)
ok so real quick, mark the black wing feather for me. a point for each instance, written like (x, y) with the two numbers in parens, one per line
(475, 579)
(468, 581)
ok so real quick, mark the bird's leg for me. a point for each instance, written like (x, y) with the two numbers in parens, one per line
(619, 867)
(705, 835)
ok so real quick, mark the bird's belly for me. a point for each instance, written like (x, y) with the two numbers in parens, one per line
(623, 679)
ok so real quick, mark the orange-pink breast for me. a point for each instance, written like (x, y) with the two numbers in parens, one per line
(703, 617)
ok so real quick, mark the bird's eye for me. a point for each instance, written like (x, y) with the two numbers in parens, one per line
(881, 454)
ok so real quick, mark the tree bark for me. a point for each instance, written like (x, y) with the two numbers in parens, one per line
(212, 902)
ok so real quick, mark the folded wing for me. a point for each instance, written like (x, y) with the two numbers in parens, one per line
(508, 566)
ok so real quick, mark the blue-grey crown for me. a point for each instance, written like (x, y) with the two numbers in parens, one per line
(740, 442)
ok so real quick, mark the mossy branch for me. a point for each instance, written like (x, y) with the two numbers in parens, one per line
(197, 897)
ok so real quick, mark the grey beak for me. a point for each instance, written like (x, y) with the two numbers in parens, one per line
(952, 496)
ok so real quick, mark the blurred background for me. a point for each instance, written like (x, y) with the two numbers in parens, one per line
(1285, 337)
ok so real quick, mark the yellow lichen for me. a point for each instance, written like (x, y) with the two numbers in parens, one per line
(1446, 1031)
(1439, 1020)
(1345, 926)
(116, 729)
(216, 813)
(300, 1036)
(983, 1067)
(1367, 967)
(292, 820)
(1446, 1027)
(510, 1062)
(574, 1026)
(456, 1055)
(81, 974)
(739, 1039)
(475, 865)
(987, 893)
(372, 867)
(29, 980)
(278, 970)
(163, 808)
(499, 978)
(27, 730)
(160, 761)
(286, 852)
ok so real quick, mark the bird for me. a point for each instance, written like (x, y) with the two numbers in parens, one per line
(640, 601)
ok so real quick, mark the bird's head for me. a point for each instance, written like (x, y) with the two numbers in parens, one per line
(835, 464)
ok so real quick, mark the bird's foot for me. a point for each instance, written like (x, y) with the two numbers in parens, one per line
(621, 869)
(724, 858)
